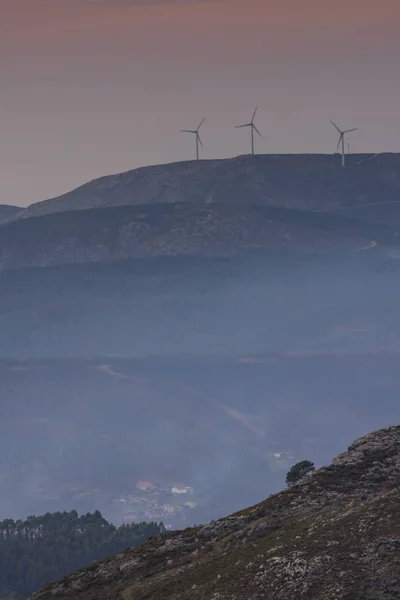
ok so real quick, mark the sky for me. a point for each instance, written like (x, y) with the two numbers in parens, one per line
(93, 87)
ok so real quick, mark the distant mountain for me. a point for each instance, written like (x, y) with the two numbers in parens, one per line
(180, 229)
(301, 203)
(333, 535)
(254, 303)
(302, 181)
(7, 212)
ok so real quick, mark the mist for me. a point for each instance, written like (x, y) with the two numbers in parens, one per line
(211, 374)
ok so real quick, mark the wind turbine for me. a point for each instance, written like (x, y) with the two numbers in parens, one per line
(341, 139)
(253, 128)
(198, 140)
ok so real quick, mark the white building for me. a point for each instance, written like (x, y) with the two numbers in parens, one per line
(181, 491)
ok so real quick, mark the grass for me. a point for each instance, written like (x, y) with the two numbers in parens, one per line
(331, 540)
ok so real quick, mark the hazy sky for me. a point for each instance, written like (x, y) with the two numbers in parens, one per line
(91, 87)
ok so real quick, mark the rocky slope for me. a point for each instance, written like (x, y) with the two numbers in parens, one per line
(335, 536)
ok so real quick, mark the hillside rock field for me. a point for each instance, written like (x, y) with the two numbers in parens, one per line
(335, 535)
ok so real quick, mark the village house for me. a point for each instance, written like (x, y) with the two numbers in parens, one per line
(178, 491)
(145, 486)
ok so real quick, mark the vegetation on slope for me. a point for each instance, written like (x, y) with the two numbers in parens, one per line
(179, 229)
(335, 535)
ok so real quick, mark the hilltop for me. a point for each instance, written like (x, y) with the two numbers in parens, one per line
(301, 181)
(334, 535)
(217, 208)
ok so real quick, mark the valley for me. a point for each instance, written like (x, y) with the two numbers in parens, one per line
(199, 300)
(197, 326)
(74, 434)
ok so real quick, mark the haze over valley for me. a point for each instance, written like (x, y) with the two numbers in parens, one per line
(174, 338)
(199, 300)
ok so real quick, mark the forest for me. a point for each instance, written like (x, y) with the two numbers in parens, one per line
(42, 549)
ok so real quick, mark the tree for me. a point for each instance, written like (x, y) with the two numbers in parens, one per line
(299, 471)
(45, 548)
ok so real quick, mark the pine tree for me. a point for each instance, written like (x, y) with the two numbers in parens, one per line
(45, 548)
(298, 472)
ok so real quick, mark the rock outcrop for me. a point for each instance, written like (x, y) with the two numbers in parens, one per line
(333, 536)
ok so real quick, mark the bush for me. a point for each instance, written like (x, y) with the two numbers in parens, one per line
(299, 471)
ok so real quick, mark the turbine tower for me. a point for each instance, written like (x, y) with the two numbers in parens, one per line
(253, 128)
(341, 140)
(198, 140)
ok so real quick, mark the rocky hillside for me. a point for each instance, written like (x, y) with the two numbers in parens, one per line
(335, 536)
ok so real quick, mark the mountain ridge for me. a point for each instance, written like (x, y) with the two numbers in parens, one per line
(335, 534)
(286, 180)
(181, 229)
(301, 203)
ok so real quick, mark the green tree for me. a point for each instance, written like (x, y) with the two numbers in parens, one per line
(299, 471)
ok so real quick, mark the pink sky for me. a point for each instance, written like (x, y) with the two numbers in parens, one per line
(91, 87)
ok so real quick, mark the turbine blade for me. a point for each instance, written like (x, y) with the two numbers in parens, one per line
(348, 130)
(201, 124)
(187, 131)
(338, 144)
(201, 143)
(254, 114)
(336, 127)
(247, 125)
(257, 130)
